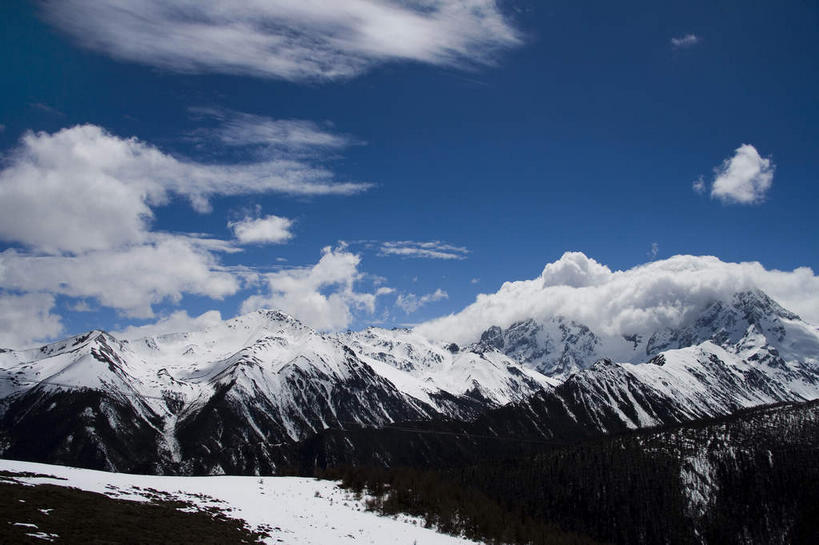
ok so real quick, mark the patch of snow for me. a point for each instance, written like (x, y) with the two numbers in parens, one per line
(296, 510)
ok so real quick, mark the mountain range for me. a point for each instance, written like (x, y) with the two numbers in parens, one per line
(238, 397)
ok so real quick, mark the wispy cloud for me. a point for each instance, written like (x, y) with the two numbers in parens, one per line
(177, 322)
(433, 249)
(683, 42)
(291, 136)
(287, 39)
(43, 107)
(411, 302)
(698, 185)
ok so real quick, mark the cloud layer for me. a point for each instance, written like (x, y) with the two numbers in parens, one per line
(637, 300)
(131, 279)
(91, 190)
(288, 39)
(79, 204)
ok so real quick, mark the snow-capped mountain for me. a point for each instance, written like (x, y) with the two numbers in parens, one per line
(559, 347)
(746, 352)
(227, 397)
(217, 399)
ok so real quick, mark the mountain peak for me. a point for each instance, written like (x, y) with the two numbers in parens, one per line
(755, 304)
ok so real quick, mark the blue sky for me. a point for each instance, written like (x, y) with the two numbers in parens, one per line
(500, 140)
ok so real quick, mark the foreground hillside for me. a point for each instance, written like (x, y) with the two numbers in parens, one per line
(44, 503)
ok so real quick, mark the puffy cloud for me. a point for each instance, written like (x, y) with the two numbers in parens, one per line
(637, 300)
(91, 190)
(266, 230)
(288, 39)
(698, 185)
(576, 270)
(410, 302)
(434, 249)
(27, 318)
(177, 322)
(744, 178)
(78, 190)
(81, 202)
(131, 279)
(323, 295)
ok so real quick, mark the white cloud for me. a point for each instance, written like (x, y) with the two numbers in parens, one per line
(644, 298)
(410, 302)
(27, 318)
(653, 250)
(475, 281)
(266, 230)
(744, 178)
(177, 322)
(239, 129)
(130, 279)
(682, 42)
(83, 188)
(434, 249)
(574, 269)
(323, 295)
(288, 39)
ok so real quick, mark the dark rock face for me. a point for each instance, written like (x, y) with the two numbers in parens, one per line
(233, 430)
(86, 428)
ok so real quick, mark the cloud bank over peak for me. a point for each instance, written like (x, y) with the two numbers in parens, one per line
(664, 293)
(293, 40)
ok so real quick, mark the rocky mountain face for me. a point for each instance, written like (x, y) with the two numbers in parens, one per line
(238, 396)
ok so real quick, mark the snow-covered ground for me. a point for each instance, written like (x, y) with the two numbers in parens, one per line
(293, 510)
